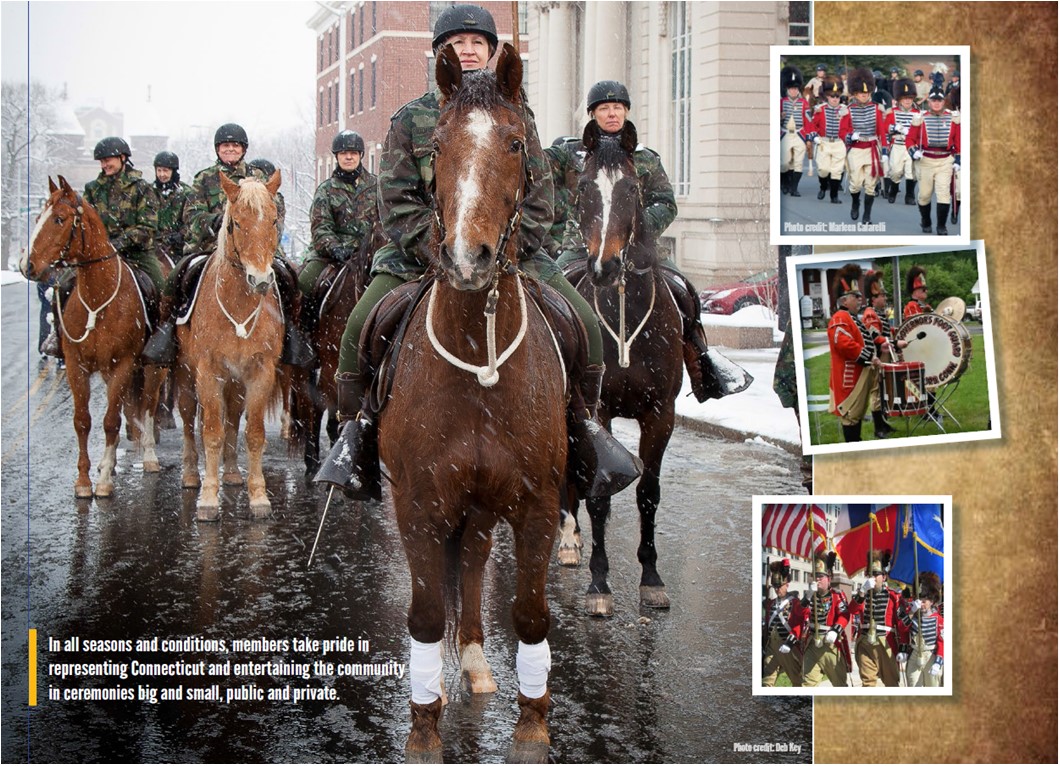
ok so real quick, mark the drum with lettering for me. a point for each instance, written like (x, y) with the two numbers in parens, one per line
(903, 389)
(944, 346)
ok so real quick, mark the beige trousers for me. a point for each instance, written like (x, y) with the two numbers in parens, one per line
(934, 176)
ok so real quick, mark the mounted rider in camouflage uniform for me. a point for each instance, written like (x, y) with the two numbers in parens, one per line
(203, 213)
(566, 164)
(267, 169)
(344, 215)
(660, 209)
(405, 180)
(171, 195)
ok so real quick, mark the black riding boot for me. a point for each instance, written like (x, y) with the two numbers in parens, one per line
(705, 384)
(793, 183)
(784, 178)
(309, 315)
(824, 188)
(296, 349)
(852, 433)
(352, 465)
(892, 190)
(855, 204)
(942, 212)
(882, 428)
(910, 185)
(599, 464)
(925, 218)
(161, 348)
(833, 187)
(867, 216)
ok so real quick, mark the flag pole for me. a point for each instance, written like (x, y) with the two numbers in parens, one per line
(916, 579)
(813, 561)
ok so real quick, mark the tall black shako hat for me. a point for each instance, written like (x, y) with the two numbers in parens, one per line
(916, 277)
(779, 572)
(847, 281)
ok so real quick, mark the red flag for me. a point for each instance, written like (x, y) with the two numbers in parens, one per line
(853, 547)
(787, 528)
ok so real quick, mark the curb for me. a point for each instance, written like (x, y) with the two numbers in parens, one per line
(732, 434)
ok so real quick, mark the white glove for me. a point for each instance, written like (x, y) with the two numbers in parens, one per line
(869, 584)
(956, 168)
(902, 658)
(831, 636)
(936, 669)
(772, 592)
(918, 154)
(855, 136)
(785, 649)
(813, 587)
(914, 607)
(901, 129)
(817, 139)
(885, 163)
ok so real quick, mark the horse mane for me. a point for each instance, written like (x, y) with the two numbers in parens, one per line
(253, 196)
(478, 90)
(610, 155)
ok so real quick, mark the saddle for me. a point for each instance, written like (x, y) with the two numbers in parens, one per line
(149, 296)
(190, 271)
(384, 333)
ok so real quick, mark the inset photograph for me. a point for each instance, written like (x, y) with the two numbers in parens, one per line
(896, 348)
(867, 143)
(851, 595)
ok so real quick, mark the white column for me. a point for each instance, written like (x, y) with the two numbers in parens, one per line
(560, 82)
(543, 105)
(609, 53)
(589, 47)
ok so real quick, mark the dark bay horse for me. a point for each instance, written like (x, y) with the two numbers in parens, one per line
(642, 346)
(103, 325)
(475, 431)
(230, 347)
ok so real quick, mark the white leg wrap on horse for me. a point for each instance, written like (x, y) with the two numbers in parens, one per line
(532, 663)
(425, 671)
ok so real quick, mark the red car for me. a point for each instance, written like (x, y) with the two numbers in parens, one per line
(757, 289)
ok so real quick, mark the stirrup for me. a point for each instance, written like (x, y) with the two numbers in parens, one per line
(296, 349)
(352, 465)
(161, 348)
(600, 465)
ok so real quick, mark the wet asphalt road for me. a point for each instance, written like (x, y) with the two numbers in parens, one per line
(672, 688)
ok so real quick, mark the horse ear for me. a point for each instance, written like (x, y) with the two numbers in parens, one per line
(229, 187)
(52, 188)
(629, 137)
(273, 184)
(590, 136)
(510, 74)
(448, 72)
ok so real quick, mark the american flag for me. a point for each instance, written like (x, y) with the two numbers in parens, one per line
(787, 528)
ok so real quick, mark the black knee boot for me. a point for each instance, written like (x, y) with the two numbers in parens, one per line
(942, 212)
(882, 428)
(296, 349)
(784, 179)
(855, 204)
(892, 190)
(925, 218)
(309, 315)
(598, 463)
(852, 433)
(833, 187)
(867, 217)
(793, 183)
(824, 188)
(910, 185)
(161, 348)
(352, 465)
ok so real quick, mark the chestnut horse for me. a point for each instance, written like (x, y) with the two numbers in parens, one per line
(475, 430)
(104, 326)
(230, 347)
(642, 347)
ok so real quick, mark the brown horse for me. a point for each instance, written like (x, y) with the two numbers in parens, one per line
(475, 430)
(642, 346)
(230, 347)
(103, 326)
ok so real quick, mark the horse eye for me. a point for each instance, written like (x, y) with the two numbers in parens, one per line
(436, 148)
(58, 219)
(517, 146)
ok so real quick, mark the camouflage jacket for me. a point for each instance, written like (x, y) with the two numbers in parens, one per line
(660, 207)
(405, 176)
(566, 165)
(125, 202)
(344, 213)
(206, 200)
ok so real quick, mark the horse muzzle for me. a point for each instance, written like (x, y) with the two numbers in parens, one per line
(468, 270)
(260, 283)
(604, 272)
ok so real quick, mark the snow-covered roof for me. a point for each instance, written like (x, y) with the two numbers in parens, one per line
(142, 119)
(66, 122)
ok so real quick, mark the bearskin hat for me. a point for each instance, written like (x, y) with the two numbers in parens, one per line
(881, 562)
(904, 88)
(847, 280)
(790, 77)
(931, 587)
(937, 91)
(861, 81)
(916, 277)
(833, 85)
(779, 572)
(872, 284)
(824, 564)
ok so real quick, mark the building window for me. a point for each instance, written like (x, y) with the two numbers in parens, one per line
(799, 23)
(353, 93)
(436, 9)
(681, 89)
(373, 84)
(430, 72)
(320, 108)
(330, 99)
(320, 54)
(375, 29)
(361, 25)
(349, 32)
(360, 89)
(331, 46)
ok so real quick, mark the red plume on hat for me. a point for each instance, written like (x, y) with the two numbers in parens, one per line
(847, 280)
(916, 278)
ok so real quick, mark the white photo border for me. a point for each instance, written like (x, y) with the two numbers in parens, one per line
(951, 600)
(776, 55)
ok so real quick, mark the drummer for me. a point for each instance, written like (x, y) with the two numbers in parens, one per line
(916, 287)
(853, 353)
(883, 337)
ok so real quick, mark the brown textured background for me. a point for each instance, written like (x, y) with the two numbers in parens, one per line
(1004, 704)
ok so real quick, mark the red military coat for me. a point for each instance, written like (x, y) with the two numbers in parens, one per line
(850, 355)
(791, 612)
(817, 122)
(892, 619)
(798, 105)
(947, 122)
(838, 617)
(915, 307)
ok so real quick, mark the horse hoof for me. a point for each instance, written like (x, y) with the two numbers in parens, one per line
(433, 755)
(260, 509)
(232, 478)
(104, 489)
(569, 556)
(207, 513)
(152, 466)
(654, 597)
(190, 481)
(528, 752)
(599, 604)
(479, 683)
(83, 492)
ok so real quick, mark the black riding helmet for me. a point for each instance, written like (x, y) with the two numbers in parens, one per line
(347, 141)
(264, 166)
(605, 91)
(167, 160)
(111, 146)
(230, 132)
(465, 18)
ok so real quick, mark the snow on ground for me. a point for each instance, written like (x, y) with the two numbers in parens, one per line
(11, 278)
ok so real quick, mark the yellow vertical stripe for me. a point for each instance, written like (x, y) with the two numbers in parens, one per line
(32, 667)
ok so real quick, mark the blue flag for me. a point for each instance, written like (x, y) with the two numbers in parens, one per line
(918, 543)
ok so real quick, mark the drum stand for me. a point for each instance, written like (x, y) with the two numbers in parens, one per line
(942, 395)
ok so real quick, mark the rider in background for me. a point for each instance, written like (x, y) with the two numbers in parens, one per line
(405, 205)
(344, 214)
(171, 194)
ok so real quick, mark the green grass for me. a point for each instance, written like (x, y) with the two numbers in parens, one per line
(970, 403)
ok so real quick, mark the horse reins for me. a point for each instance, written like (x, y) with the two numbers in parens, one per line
(240, 327)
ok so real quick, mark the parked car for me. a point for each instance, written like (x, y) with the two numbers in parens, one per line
(975, 312)
(759, 289)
